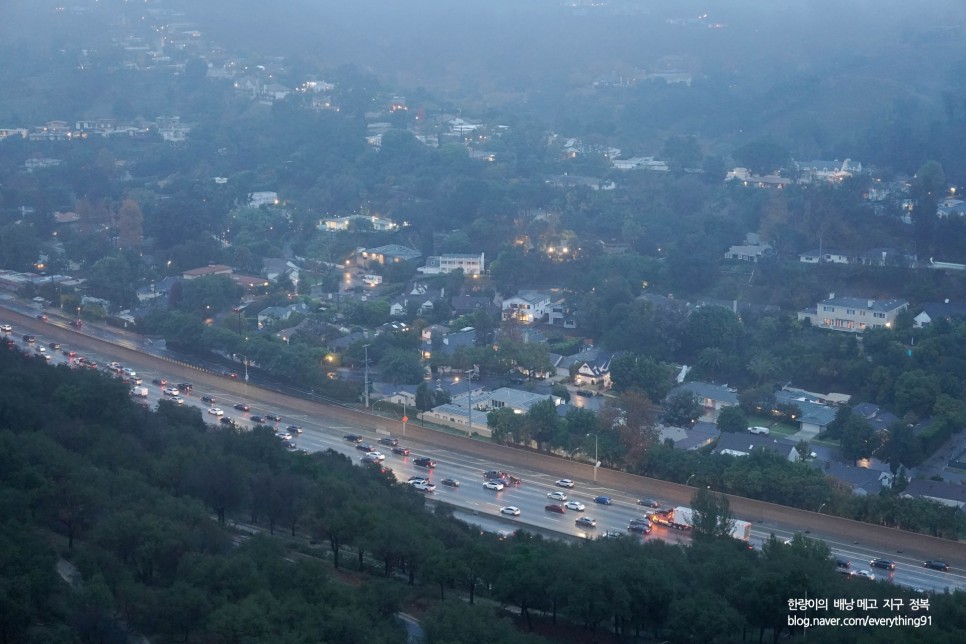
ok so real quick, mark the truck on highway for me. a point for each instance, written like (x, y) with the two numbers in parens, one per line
(682, 518)
(140, 392)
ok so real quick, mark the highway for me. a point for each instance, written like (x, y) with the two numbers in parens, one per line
(466, 460)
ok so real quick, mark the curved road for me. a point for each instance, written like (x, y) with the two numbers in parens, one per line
(765, 517)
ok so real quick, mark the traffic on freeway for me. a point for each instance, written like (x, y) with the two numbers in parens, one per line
(572, 508)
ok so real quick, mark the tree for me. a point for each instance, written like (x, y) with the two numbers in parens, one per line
(732, 420)
(682, 409)
(401, 366)
(901, 447)
(130, 224)
(858, 438)
(713, 327)
(761, 366)
(711, 514)
(762, 157)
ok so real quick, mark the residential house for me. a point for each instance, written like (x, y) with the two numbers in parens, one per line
(470, 263)
(951, 494)
(469, 304)
(527, 307)
(951, 207)
(346, 341)
(870, 257)
(561, 315)
(879, 419)
(814, 418)
(358, 222)
(862, 481)
(275, 269)
(448, 343)
(434, 329)
(265, 198)
(590, 366)
(641, 163)
(741, 444)
(205, 271)
(518, 400)
(386, 255)
(700, 435)
(827, 171)
(935, 311)
(708, 395)
(752, 250)
(853, 314)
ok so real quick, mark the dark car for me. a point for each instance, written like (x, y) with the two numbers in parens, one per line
(42, 317)
(76, 323)
(275, 418)
(640, 521)
(242, 407)
(882, 563)
(553, 507)
(514, 480)
(841, 562)
(54, 345)
(161, 382)
(450, 482)
(494, 474)
(352, 438)
(401, 451)
(185, 386)
(936, 564)
(225, 420)
(388, 440)
(639, 528)
(603, 500)
(256, 419)
(649, 503)
(208, 399)
(29, 338)
(365, 447)
(424, 462)
(294, 429)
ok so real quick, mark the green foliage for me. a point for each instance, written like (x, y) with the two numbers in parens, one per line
(629, 371)
(682, 409)
(732, 420)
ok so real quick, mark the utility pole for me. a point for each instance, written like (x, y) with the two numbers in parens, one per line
(365, 347)
(596, 461)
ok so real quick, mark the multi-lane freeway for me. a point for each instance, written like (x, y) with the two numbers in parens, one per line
(323, 427)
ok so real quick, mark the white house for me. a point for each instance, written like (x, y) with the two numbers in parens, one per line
(259, 199)
(527, 307)
(471, 264)
(853, 314)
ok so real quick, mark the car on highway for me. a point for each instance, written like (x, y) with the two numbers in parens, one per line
(424, 461)
(639, 528)
(493, 485)
(586, 522)
(640, 521)
(76, 323)
(842, 562)
(844, 572)
(556, 509)
(575, 505)
(257, 419)
(936, 564)
(352, 438)
(389, 440)
(885, 564)
(208, 399)
(178, 400)
(365, 447)
(603, 500)
(225, 420)
(557, 496)
(424, 486)
(42, 317)
(401, 451)
(161, 382)
(171, 391)
(185, 386)
(242, 407)
(285, 436)
(289, 445)
(54, 345)
(294, 429)
(373, 456)
(864, 574)
(29, 338)
(216, 411)
(649, 503)
(450, 482)
(510, 510)
(6, 328)
(567, 483)
(413, 479)
(275, 418)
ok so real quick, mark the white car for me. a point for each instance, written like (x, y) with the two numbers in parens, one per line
(493, 485)
(557, 496)
(865, 574)
(6, 328)
(178, 400)
(216, 411)
(284, 436)
(171, 391)
(375, 457)
(511, 510)
(424, 486)
(575, 505)
(567, 483)
(762, 431)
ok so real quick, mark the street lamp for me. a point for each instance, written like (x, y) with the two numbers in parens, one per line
(822, 506)
(689, 479)
(596, 461)
(365, 347)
